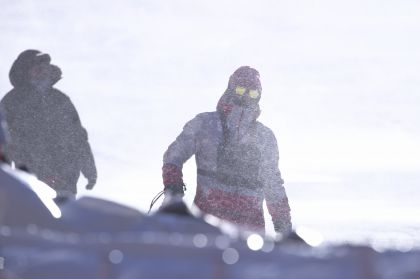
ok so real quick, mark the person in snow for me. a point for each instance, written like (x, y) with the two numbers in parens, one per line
(47, 137)
(237, 159)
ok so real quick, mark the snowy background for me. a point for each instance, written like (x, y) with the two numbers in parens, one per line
(341, 91)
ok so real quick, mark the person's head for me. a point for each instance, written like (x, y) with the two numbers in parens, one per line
(245, 86)
(34, 69)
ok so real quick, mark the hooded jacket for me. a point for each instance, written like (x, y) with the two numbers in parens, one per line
(46, 134)
(237, 165)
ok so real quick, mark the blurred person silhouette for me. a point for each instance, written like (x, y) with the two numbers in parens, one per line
(47, 137)
(237, 160)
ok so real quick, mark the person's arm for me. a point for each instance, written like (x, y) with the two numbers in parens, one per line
(274, 191)
(79, 137)
(88, 168)
(177, 154)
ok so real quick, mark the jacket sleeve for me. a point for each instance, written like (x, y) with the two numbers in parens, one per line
(184, 146)
(88, 166)
(80, 138)
(177, 154)
(274, 191)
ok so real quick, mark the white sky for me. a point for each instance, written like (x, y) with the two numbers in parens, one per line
(341, 87)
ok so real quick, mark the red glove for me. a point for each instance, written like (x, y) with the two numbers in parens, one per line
(172, 179)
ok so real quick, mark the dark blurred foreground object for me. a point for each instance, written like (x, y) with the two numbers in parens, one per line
(47, 137)
(24, 200)
(98, 239)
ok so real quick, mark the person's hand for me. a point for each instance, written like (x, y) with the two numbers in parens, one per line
(174, 190)
(169, 198)
(91, 183)
(172, 180)
(172, 193)
(282, 227)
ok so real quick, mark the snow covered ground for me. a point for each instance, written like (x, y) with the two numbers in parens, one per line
(341, 92)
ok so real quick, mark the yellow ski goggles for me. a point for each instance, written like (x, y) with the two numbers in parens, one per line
(253, 93)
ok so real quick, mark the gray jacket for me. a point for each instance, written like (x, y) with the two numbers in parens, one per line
(234, 199)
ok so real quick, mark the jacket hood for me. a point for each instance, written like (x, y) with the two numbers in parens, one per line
(249, 78)
(19, 72)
